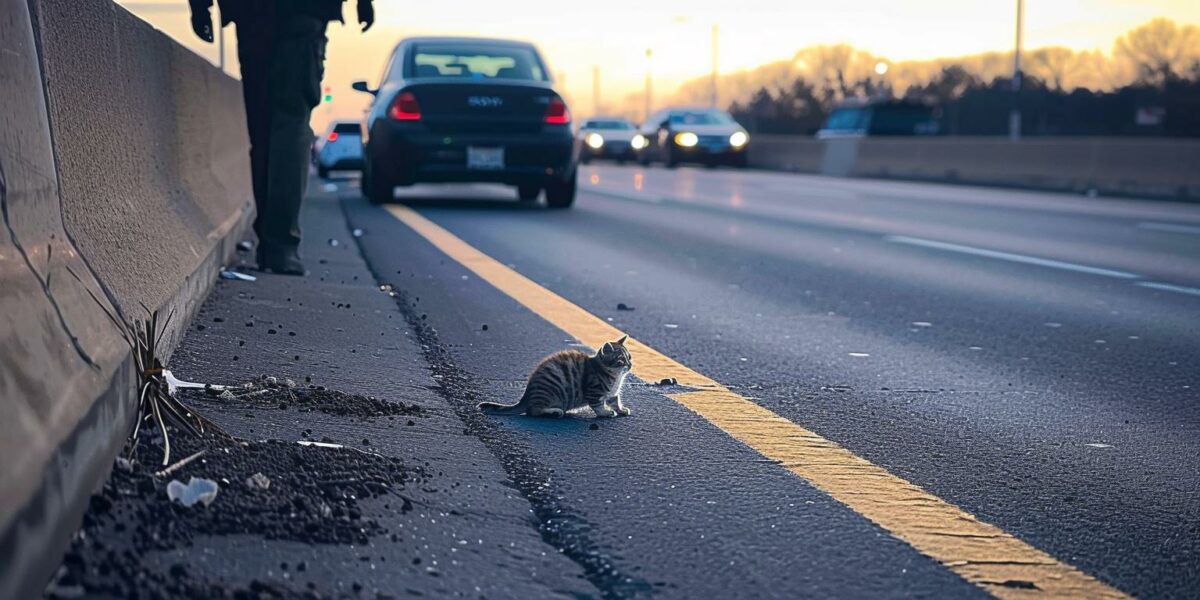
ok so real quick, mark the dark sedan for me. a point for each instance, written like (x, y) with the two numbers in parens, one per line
(699, 135)
(469, 110)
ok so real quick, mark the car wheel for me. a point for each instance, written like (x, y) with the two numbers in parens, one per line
(528, 193)
(561, 194)
(322, 172)
(377, 188)
(643, 160)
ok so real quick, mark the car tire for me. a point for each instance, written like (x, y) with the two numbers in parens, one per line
(528, 193)
(322, 172)
(643, 160)
(377, 188)
(561, 194)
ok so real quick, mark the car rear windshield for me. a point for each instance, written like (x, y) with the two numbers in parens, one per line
(847, 119)
(608, 125)
(475, 61)
(348, 128)
(705, 117)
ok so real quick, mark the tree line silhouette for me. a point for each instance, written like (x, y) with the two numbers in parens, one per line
(1149, 85)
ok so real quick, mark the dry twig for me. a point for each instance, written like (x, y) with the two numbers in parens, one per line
(155, 400)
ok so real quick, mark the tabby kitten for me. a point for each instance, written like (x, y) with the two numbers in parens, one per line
(571, 379)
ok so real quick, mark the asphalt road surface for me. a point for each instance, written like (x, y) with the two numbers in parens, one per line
(1032, 359)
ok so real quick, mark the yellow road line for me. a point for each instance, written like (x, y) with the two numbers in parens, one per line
(979, 552)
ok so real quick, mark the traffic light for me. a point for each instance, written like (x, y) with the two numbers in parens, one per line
(328, 94)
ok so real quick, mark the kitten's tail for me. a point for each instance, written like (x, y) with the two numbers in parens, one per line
(491, 408)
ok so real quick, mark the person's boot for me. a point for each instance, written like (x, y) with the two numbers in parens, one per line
(289, 263)
(283, 262)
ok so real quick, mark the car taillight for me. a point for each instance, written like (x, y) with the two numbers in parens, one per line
(332, 136)
(557, 112)
(405, 108)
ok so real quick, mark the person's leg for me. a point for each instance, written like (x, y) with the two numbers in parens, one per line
(255, 43)
(297, 68)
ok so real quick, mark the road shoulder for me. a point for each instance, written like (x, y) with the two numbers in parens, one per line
(329, 358)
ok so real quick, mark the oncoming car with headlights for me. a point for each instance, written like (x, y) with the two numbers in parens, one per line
(605, 137)
(469, 110)
(698, 135)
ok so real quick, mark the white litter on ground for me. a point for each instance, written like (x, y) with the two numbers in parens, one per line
(203, 491)
(174, 384)
(236, 276)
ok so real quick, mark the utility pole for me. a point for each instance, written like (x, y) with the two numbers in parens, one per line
(1014, 117)
(716, 36)
(649, 84)
(595, 89)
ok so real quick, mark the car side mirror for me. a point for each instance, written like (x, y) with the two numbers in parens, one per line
(361, 86)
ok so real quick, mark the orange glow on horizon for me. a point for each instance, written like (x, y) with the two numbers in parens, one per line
(577, 38)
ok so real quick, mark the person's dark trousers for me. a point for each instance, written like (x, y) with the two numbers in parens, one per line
(282, 61)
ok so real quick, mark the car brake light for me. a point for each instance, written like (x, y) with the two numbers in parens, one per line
(333, 136)
(405, 108)
(557, 112)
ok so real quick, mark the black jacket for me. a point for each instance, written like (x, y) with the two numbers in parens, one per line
(234, 10)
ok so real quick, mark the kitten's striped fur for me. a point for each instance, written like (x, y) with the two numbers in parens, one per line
(571, 379)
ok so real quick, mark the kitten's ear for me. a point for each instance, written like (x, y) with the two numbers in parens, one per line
(607, 349)
(621, 342)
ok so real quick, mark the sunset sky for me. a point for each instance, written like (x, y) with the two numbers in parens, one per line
(575, 36)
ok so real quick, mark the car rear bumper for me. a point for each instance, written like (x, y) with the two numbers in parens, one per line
(352, 163)
(408, 157)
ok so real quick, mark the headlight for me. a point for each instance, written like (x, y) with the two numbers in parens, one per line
(686, 139)
(639, 142)
(738, 139)
(594, 140)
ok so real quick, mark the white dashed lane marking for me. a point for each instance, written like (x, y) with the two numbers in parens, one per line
(1170, 227)
(1017, 258)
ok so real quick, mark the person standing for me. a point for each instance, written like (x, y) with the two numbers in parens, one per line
(281, 50)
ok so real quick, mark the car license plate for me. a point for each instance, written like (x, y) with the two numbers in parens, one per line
(489, 159)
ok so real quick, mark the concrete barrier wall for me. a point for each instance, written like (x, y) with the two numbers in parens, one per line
(787, 153)
(123, 174)
(139, 119)
(1124, 166)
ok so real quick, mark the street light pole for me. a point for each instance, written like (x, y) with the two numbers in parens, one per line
(1014, 117)
(649, 84)
(716, 39)
(595, 89)
(716, 36)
